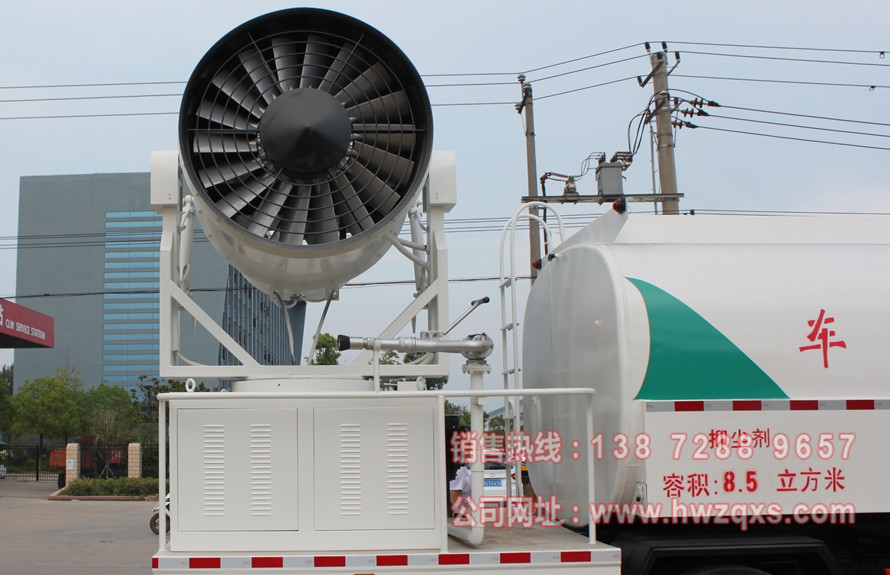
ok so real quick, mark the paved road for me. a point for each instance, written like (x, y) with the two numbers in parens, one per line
(41, 537)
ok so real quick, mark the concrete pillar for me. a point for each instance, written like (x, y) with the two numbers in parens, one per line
(134, 460)
(72, 462)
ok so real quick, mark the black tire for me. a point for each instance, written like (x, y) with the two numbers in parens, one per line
(154, 524)
(725, 570)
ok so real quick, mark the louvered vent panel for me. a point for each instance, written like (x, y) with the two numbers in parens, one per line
(397, 469)
(214, 470)
(261, 469)
(350, 469)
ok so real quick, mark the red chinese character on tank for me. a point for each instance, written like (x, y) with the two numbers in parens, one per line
(697, 484)
(821, 336)
(834, 479)
(787, 479)
(465, 446)
(673, 485)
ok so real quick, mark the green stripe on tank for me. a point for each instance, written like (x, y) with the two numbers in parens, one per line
(690, 359)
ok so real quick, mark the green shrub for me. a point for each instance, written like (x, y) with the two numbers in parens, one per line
(135, 487)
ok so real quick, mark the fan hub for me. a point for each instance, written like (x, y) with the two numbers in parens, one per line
(305, 131)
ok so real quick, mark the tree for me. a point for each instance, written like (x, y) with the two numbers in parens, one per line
(496, 424)
(147, 406)
(461, 411)
(6, 379)
(7, 416)
(50, 406)
(111, 412)
(326, 352)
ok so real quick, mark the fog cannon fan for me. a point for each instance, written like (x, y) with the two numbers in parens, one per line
(306, 137)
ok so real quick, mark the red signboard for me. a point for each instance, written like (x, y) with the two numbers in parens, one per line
(23, 327)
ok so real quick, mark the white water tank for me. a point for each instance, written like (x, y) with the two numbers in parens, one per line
(648, 308)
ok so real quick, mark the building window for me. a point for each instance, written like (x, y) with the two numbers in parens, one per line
(132, 242)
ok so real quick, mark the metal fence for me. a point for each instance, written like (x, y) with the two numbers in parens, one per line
(45, 462)
(31, 461)
(102, 459)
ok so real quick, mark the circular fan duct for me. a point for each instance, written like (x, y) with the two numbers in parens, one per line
(306, 136)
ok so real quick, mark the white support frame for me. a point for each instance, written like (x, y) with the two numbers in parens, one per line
(167, 192)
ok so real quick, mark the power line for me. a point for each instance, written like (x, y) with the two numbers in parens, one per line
(467, 75)
(79, 98)
(573, 60)
(785, 59)
(88, 85)
(870, 87)
(879, 53)
(845, 144)
(71, 116)
(588, 68)
(810, 116)
(601, 84)
(470, 84)
(787, 125)
(459, 104)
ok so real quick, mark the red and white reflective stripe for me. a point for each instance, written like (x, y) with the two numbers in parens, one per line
(768, 405)
(165, 562)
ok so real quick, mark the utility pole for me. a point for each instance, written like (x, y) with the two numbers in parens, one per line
(667, 169)
(534, 237)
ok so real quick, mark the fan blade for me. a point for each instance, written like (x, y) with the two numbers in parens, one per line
(396, 141)
(390, 167)
(260, 73)
(370, 84)
(378, 197)
(288, 62)
(243, 197)
(234, 199)
(375, 128)
(267, 214)
(295, 217)
(237, 118)
(352, 214)
(227, 186)
(239, 91)
(322, 224)
(315, 62)
(389, 109)
(224, 143)
(216, 175)
(342, 69)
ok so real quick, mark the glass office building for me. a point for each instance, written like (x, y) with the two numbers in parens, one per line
(88, 257)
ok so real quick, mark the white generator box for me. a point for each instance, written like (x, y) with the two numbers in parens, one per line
(254, 473)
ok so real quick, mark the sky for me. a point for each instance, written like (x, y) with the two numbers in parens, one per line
(55, 49)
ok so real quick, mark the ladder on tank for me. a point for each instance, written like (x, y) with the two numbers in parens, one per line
(511, 359)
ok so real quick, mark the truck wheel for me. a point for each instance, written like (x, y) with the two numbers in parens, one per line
(725, 570)
(154, 524)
